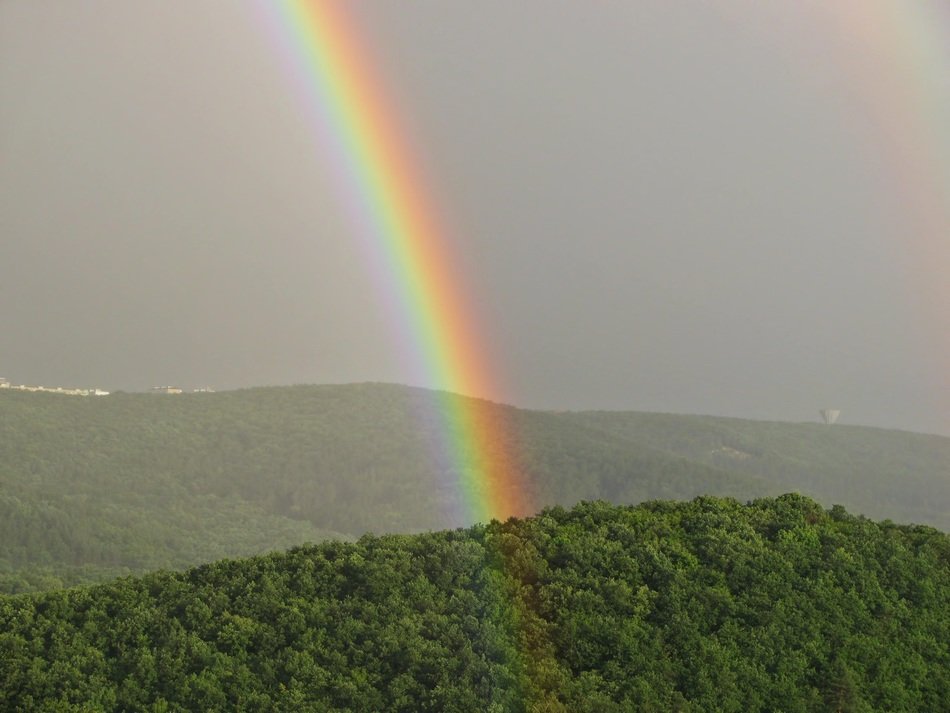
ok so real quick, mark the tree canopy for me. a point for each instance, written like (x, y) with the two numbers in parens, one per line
(696, 606)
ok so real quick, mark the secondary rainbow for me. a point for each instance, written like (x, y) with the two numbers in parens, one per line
(397, 220)
(896, 57)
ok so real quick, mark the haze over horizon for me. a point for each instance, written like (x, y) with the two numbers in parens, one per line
(689, 207)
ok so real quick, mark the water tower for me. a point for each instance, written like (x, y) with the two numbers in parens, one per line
(830, 415)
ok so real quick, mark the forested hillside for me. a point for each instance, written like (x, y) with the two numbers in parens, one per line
(887, 474)
(710, 605)
(92, 488)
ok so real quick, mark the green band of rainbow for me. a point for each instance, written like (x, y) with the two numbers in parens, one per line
(398, 221)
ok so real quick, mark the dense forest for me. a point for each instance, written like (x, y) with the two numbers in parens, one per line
(708, 605)
(880, 473)
(93, 488)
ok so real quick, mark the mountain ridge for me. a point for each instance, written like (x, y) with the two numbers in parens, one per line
(93, 488)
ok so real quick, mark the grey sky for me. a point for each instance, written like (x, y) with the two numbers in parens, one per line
(678, 206)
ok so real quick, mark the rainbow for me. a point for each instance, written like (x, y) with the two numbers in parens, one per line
(902, 76)
(397, 221)
(891, 58)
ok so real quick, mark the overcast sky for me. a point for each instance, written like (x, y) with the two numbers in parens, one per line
(701, 207)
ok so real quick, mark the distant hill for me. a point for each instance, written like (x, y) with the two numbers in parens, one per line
(95, 487)
(880, 473)
(778, 605)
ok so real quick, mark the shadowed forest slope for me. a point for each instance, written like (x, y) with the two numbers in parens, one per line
(96, 487)
(880, 473)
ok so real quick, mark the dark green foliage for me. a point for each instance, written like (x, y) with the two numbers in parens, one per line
(701, 606)
(92, 488)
